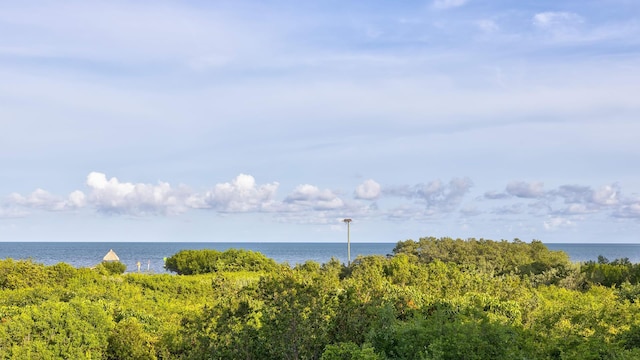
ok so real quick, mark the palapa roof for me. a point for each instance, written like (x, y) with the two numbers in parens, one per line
(111, 256)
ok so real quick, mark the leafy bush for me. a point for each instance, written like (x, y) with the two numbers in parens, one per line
(129, 341)
(349, 351)
(21, 274)
(496, 257)
(191, 262)
(613, 273)
(112, 267)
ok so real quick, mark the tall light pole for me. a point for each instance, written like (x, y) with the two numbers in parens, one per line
(348, 221)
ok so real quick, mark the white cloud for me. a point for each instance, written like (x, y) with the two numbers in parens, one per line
(577, 202)
(446, 4)
(553, 19)
(41, 199)
(114, 197)
(494, 195)
(436, 195)
(554, 223)
(311, 197)
(561, 25)
(573, 194)
(8, 212)
(368, 190)
(242, 194)
(523, 189)
(77, 199)
(606, 195)
(631, 210)
(309, 204)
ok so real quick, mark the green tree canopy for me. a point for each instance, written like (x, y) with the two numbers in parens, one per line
(191, 262)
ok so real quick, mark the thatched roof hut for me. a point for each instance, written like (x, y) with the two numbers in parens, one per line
(111, 256)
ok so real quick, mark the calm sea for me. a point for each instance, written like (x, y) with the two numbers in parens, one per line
(151, 255)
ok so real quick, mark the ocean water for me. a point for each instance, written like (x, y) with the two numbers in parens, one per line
(587, 252)
(151, 255)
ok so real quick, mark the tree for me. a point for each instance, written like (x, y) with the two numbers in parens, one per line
(191, 262)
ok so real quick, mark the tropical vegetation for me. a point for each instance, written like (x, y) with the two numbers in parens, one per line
(434, 298)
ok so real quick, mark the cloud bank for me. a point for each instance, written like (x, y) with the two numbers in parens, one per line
(559, 207)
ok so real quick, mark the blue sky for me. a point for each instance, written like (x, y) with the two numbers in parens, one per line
(273, 120)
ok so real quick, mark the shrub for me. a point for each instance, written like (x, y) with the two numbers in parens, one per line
(128, 340)
(112, 267)
(191, 262)
(349, 351)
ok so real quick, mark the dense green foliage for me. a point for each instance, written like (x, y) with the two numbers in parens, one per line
(615, 273)
(192, 262)
(433, 299)
(501, 257)
(112, 267)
